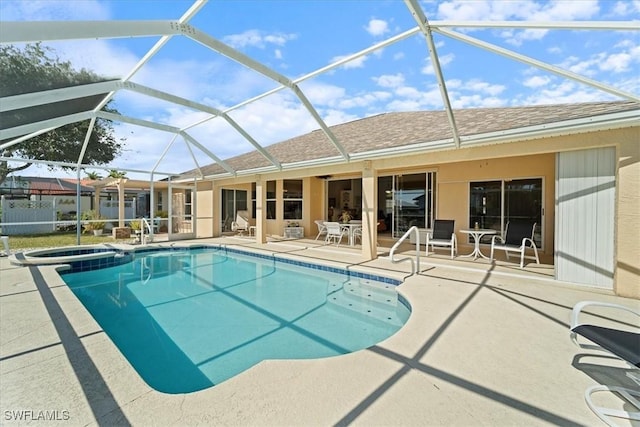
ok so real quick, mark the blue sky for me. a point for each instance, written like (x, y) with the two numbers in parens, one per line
(298, 37)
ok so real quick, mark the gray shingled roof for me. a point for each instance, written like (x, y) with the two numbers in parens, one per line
(392, 130)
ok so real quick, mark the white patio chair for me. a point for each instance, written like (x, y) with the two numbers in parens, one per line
(442, 235)
(357, 234)
(322, 230)
(518, 236)
(241, 223)
(622, 343)
(335, 232)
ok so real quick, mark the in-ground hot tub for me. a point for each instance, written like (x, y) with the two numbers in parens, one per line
(80, 258)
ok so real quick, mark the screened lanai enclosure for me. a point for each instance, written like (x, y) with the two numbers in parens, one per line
(197, 85)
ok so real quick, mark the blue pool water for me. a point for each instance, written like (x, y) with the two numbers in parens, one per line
(190, 319)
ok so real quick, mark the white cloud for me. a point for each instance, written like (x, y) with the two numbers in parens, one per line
(476, 101)
(364, 100)
(626, 7)
(536, 81)
(323, 94)
(617, 63)
(389, 80)
(530, 10)
(257, 38)
(477, 85)
(54, 10)
(356, 63)
(444, 61)
(377, 27)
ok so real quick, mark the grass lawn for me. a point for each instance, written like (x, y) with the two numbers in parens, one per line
(57, 239)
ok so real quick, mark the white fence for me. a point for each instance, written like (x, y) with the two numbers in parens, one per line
(34, 211)
(109, 209)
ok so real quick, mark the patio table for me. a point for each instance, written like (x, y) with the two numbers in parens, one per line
(351, 228)
(477, 234)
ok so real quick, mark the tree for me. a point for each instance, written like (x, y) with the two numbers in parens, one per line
(35, 68)
(114, 173)
(94, 176)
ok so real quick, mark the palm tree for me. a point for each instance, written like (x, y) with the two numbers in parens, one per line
(114, 173)
(94, 176)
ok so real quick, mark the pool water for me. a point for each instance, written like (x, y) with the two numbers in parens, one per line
(190, 319)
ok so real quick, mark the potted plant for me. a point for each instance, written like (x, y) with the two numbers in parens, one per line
(95, 222)
(346, 217)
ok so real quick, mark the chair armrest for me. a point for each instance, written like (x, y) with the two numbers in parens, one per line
(497, 237)
(577, 309)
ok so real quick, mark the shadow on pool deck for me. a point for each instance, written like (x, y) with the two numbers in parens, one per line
(485, 345)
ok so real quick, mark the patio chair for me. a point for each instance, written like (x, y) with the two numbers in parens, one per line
(335, 232)
(357, 234)
(622, 343)
(442, 235)
(518, 236)
(241, 223)
(322, 230)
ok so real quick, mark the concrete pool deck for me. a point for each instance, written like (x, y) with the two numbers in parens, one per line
(486, 344)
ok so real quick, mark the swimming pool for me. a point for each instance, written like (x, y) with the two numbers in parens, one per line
(188, 319)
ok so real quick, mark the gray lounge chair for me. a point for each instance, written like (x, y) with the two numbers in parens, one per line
(624, 344)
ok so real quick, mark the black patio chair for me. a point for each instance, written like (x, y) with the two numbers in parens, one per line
(518, 236)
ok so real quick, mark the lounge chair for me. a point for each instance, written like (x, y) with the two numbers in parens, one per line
(442, 235)
(241, 224)
(322, 230)
(335, 232)
(622, 343)
(518, 236)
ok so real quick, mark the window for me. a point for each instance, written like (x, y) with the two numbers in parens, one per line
(159, 202)
(292, 195)
(492, 204)
(271, 200)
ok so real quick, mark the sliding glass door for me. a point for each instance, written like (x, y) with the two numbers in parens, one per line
(405, 201)
(492, 204)
(232, 202)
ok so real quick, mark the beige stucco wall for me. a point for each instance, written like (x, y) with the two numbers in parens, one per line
(453, 190)
(457, 167)
(204, 209)
(627, 275)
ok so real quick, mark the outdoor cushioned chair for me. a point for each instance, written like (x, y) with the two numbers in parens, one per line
(322, 230)
(241, 224)
(518, 236)
(624, 344)
(442, 235)
(335, 232)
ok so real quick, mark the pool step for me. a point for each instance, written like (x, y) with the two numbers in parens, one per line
(372, 299)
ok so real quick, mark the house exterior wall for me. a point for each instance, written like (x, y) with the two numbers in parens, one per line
(453, 190)
(204, 209)
(457, 167)
(627, 280)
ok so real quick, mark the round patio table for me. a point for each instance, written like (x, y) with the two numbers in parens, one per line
(477, 234)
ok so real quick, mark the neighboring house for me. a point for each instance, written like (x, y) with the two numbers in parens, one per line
(62, 190)
(572, 168)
